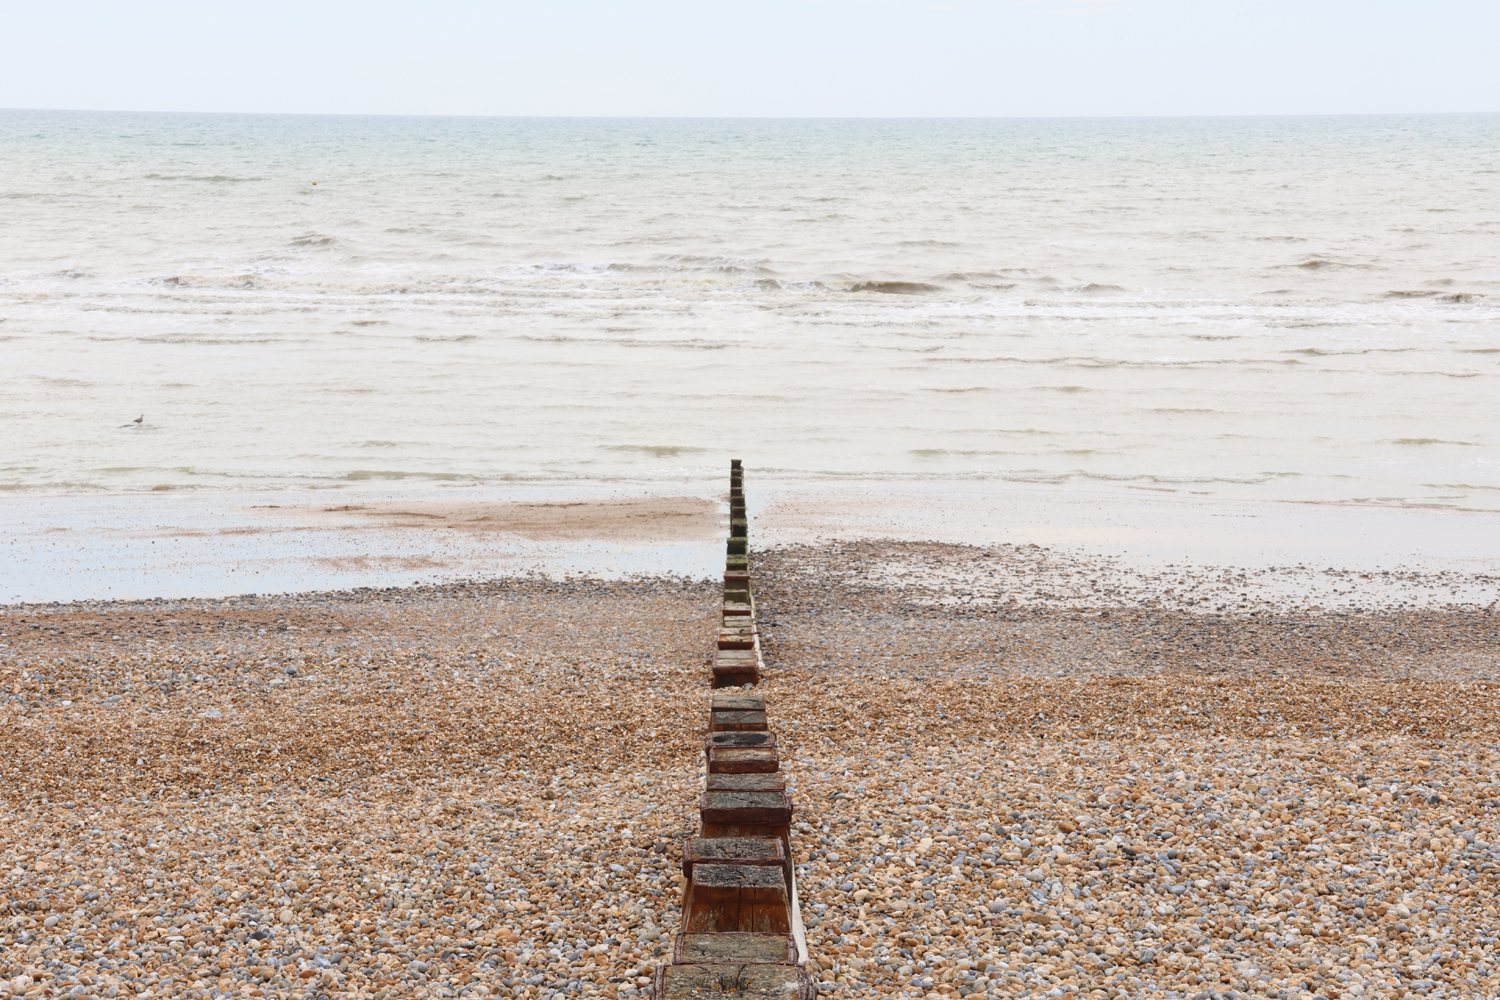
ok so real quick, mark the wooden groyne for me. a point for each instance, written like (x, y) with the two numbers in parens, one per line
(742, 934)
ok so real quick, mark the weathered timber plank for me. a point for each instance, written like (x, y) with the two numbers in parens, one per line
(768, 851)
(773, 782)
(740, 850)
(736, 722)
(751, 739)
(755, 831)
(736, 664)
(746, 808)
(734, 949)
(739, 740)
(736, 702)
(742, 760)
(733, 982)
(737, 897)
(733, 667)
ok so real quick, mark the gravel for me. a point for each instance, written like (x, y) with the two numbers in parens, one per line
(482, 789)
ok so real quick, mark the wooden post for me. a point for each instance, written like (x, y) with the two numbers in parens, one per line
(743, 814)
(749, 813)
(730, 897)
(767, 851)
(730, 722)
(734, 701)
(734, 667)
(732, 739)
(733, 982)
(734, 949)
(754, 781)
(746, 808)
(747, 760)
(737, 638)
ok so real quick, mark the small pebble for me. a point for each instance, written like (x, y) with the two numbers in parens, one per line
(417, 792)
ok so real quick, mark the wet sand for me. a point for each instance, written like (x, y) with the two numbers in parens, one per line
(424, 791)
(181, 544)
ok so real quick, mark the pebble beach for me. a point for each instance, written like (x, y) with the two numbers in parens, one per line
(482, 789)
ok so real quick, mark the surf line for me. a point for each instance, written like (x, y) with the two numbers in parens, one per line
(742, 933)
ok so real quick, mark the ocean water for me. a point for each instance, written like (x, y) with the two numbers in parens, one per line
(1282, 308)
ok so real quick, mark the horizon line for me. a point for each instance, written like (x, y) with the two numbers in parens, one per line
(767, 117)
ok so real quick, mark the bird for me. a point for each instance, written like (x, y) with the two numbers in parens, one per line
(139, 419)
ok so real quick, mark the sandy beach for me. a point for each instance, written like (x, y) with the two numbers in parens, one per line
(482, 789)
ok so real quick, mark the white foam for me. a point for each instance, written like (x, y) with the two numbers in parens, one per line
(524, 301)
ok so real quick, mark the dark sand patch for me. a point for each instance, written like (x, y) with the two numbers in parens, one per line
(643, 520)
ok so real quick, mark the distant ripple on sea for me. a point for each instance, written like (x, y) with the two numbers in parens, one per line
(1297, 308)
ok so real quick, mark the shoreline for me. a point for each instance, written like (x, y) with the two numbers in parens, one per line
(1135, 548)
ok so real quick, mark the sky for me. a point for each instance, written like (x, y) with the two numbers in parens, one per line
(778, 58)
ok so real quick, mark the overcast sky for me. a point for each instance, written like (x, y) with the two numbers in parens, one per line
(774, 57)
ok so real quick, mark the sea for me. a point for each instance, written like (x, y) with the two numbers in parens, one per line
(1296, 308)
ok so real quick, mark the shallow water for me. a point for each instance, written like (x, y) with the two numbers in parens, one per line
(1298, 308)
